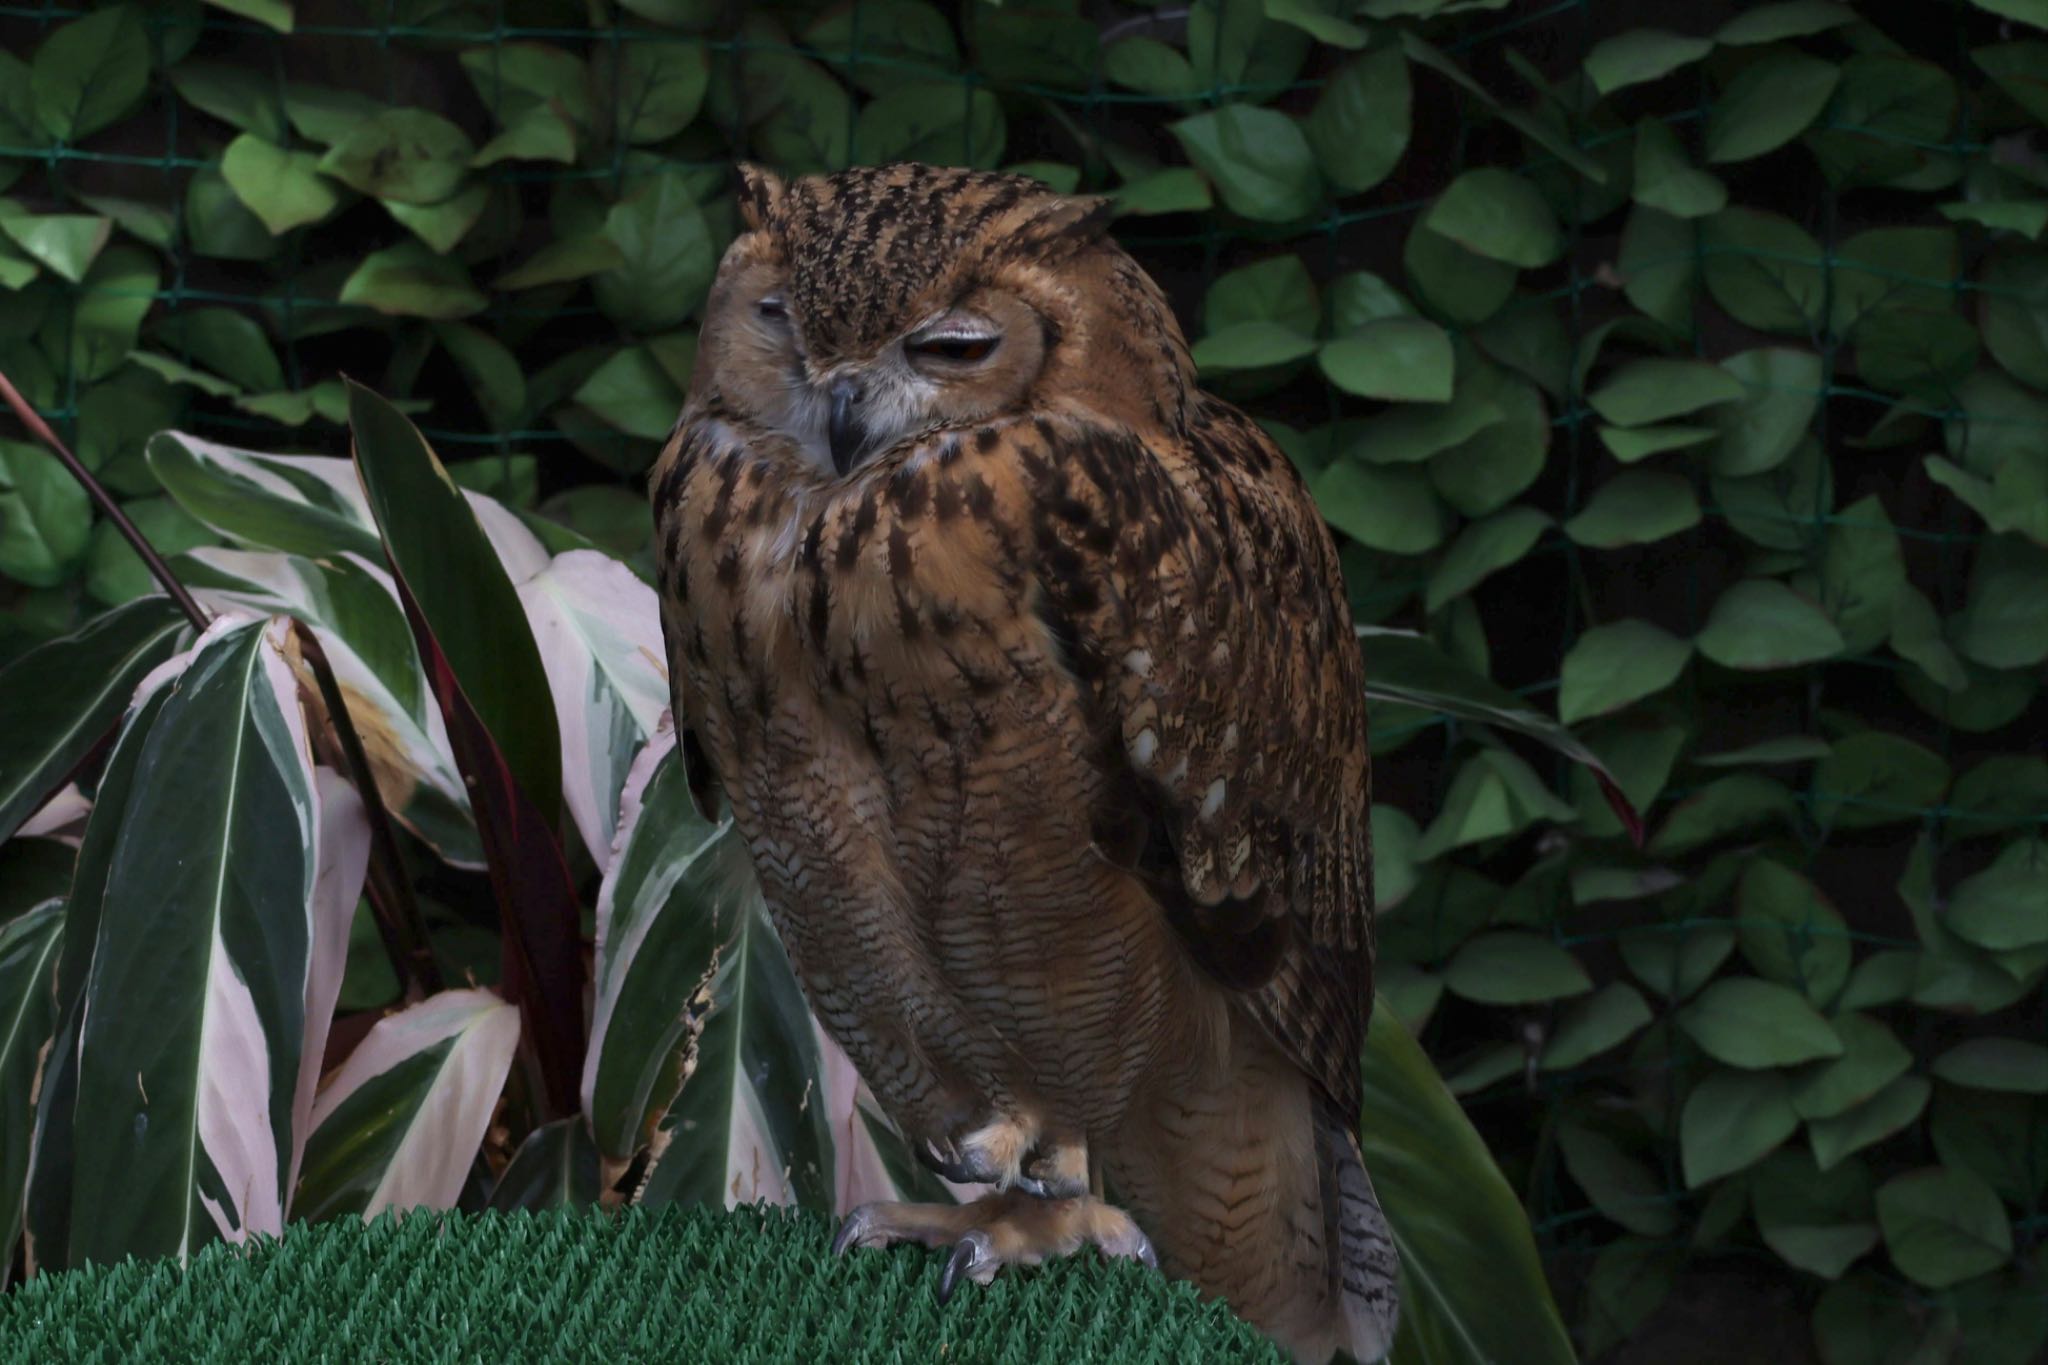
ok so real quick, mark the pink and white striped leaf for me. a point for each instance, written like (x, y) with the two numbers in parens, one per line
(194, 1028)
(352, 607)
(398, 1124)
(303, 504)
(598, 626)
(702, 1047)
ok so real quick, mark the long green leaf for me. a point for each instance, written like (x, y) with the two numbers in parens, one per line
(1472, 1289)
(28, 961)
(1406, 668)
(304, 504)
(399, 1123)
(196, 1034)
(60, 699)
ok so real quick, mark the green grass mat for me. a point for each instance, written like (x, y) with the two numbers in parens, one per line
(668, 1285)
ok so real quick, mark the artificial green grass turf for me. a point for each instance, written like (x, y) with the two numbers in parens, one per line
(664, 1285)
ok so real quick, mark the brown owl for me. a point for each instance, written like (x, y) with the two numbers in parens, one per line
(1026, 669)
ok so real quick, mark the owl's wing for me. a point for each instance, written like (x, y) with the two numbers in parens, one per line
(1196, 594)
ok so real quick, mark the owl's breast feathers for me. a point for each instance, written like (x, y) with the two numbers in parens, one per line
(1169, 604)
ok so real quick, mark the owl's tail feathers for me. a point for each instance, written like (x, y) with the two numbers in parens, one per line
(1363, 1261)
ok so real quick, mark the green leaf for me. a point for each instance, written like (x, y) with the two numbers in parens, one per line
(1483, 548)
(114, 573)
(45, 517)
(2015, 313)
(658, 88)
(2006, 905)
(1872, 1059)
(1511, 967)
(1610, 666)
(275, 14)
(1618, 1185)
(1889, 1111)
(493, 372)
(1388, 509)
(633, 393)
(2009, 1064)
(301, 504)
(1765, 270)
(1495, 793)
(1787, 19)
(1360, 125)
(1258, 159)
(1998, 1137)
(1676, 959)
(539, 134)
(2004, 620)
(1754, 1024)
(218, 952)
(1767, 104)
(409, 156)
(932, 123)
(1639, 55)
(1278, 289)
(1148, 65)
(1645, 391)
(88, 73)
(63, 697)
(412, 280)
(116, 296)
(1730, 1121)
(1463, 286)
(1251, 346)
(563, 260)
(283, 188)
(1759, 623)
(1819, 1222)
(1781, 392)
(2016, 69)
(1636, 507)
(67, 243)
(2024, 11)
(1999, 793)
(225, 341)
(1873, 779)
(1606, 1019)
(556, 1167)
(1862, 573)
(442, 226)
(1471, 1284)
(29, 945)
(668, 256)
(1665, 180)
(1943, 1226)
(1630, 444)
(1789, 931)
(1498, 215)
(1484, 471)
(1395, 359)
(235, 94)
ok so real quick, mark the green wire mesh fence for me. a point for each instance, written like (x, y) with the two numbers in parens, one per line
(1682, 369)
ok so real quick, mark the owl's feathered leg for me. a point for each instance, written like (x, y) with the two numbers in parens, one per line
(1007, 1228)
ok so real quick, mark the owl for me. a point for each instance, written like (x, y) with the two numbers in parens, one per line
(1026, 670)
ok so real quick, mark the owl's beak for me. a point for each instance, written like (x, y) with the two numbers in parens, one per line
(846, 433)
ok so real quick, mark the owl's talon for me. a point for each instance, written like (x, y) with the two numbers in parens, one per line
(851, 1229)
(973, 1256)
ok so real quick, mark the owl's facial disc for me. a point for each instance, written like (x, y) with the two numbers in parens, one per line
(970, 362)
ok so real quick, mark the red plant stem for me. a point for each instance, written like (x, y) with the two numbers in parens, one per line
(391, 900)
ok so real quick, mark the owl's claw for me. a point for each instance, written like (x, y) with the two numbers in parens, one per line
(990, 1156)
(1010, 1228)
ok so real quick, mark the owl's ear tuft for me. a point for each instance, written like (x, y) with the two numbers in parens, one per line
(760, 192)
(1068, 225)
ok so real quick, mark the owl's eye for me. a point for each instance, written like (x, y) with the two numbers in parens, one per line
(958, 347)
(773, 308)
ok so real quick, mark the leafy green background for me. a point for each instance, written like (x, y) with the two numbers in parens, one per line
(1682, 367)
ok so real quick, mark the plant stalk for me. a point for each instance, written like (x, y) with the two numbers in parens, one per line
(391, 900)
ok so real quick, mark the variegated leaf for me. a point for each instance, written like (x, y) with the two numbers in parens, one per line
(304, 504)
(46, 1210)
(693, 988)
(871, 1160)
(210, 932)
(353, 608)
(398, 1124)
(28, 963)
(62, 698)
(598, 627)
(556, 1167)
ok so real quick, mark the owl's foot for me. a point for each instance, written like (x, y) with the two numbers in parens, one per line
(1011, 1228)
(1008, 1154)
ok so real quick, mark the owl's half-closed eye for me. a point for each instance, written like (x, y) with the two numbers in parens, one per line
(850, 320)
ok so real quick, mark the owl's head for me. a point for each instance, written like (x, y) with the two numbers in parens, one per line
(873, 305)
